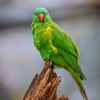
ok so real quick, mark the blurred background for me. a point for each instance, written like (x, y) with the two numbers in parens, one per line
(19, 59)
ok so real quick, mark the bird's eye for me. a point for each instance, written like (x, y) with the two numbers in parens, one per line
(35, 14)
(46, 13)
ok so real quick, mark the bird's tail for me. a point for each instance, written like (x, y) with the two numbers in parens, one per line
(77, 79)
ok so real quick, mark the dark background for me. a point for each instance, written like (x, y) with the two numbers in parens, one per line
(19, 59)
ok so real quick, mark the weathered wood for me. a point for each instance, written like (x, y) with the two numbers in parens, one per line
(44, 86)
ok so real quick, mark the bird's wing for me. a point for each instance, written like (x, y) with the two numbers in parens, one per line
(71, 46)
(65, 48)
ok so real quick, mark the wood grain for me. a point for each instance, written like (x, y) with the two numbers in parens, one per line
(44, 86)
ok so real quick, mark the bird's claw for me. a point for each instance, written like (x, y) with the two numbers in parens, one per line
(50, 63)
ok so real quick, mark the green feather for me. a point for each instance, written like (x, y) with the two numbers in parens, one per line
(79, 83)
(54, 44)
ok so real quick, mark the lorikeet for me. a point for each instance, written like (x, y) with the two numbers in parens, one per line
(55, 45)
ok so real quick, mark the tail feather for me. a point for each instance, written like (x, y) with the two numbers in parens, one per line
(77, 79)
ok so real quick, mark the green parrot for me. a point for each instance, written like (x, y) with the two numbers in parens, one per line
(55, 45)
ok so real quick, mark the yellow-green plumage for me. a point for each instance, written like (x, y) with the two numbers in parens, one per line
(54, 44)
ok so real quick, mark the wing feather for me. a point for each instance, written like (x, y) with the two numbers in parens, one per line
(66, 48)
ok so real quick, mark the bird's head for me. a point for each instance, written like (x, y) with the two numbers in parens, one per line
(41, 15)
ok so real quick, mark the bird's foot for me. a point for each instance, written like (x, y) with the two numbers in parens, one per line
(50, 63)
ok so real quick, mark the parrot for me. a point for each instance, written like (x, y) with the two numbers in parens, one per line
(54, 44)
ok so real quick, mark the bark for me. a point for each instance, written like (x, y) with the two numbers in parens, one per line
(44, 86)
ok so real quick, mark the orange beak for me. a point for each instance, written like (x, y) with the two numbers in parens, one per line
(41, 17)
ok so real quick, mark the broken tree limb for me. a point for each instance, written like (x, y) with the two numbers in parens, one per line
(44, 86)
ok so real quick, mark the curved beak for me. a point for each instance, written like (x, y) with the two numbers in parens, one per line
(41, 17)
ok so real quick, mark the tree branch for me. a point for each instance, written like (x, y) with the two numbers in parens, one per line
(44, 86)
